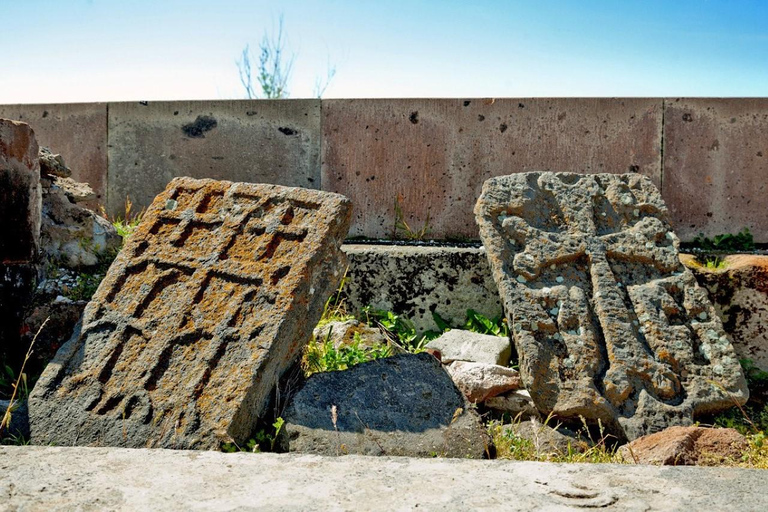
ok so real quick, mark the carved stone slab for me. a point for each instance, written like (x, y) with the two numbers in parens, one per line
(208, 303)
(608, 323)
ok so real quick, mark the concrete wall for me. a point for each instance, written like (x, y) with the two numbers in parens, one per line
(253, 141)
(434, 155)
(710, 155)
(76, 130)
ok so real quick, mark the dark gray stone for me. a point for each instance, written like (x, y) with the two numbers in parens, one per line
(402, 405)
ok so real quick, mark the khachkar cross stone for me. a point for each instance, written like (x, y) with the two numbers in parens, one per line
(607, 322)
(210, 300)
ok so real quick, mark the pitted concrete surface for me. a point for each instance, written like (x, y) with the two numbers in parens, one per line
(56, 478)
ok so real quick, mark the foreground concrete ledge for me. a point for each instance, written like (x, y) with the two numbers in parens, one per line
(46, 478)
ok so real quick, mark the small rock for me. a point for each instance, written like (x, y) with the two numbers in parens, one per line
(52, 165)
(402, 405)
(545, 439)
(460, 345)
(480, 381)
(75, 191)
(518, 404)
(343, 334)
(686, 446)
(70, 233)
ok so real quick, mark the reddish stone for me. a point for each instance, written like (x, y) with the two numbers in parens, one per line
(685, 446)
(20, 193)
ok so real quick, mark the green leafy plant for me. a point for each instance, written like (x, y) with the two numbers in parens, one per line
(335, 309)
(324, 357)
(127, 223)
(483, 325)
(399, 329)
(85, 286)
(726, 242)
(402, 229)
(262, 441)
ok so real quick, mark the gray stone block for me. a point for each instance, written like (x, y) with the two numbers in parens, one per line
(56, 478)
(460, 345)
(417, 281)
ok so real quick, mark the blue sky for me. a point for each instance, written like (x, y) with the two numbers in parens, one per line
(112, 50)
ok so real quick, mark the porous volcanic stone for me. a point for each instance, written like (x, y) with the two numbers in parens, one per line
(608, 323)
(401, 405)
(739, 291)
(211, 299)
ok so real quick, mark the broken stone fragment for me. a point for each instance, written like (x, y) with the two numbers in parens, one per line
(71, 234)
(401, 405)
(740, 296)
(210, 300)
(517, 404)
(608, 324)
(685, 446)
(53, 165)
(481, 381)
(75, 191)
(345, 334)
(460, 345)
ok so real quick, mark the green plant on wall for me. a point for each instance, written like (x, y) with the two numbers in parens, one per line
(726, 242)
(402, 229)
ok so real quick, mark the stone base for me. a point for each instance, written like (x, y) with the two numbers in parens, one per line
(739, 291)
(417, 281)
(46, 478)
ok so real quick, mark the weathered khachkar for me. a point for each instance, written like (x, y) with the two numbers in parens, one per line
(207, 304)
(608, 323)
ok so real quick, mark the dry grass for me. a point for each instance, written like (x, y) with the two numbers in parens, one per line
(511, 446)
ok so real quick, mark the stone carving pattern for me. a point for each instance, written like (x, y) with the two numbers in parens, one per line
(220, 254)
(608, 323)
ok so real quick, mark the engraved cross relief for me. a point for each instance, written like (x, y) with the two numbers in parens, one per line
(603, 311)
(204, 281)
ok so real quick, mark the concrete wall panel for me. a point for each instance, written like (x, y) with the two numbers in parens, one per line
(78, 131)
(716, 165)
(257, 141)
(435, 154)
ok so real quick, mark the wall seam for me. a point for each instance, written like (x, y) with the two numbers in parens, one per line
(106, 171)
(661, 147)
(321, 185)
